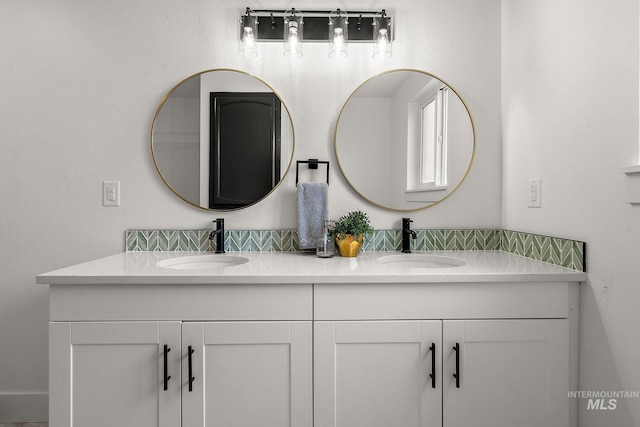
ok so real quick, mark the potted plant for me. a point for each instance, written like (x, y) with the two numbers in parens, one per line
(349, 231)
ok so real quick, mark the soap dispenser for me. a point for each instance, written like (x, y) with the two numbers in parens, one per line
(325, 246)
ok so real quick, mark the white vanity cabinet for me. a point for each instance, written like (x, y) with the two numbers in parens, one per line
(469, 362)
(107, 374)
(377, 374)
(401, 373)
(511, 373)
(295, 341)
(244, 366)
(247, 374)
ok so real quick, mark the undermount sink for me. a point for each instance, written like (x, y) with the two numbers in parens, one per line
(202, 262)
(420, 261)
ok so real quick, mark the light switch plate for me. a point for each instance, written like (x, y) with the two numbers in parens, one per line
(535, 193)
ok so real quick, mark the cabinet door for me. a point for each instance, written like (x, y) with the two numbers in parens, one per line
(112, 374)
(511, 373)
(377, 374)
(248, 374)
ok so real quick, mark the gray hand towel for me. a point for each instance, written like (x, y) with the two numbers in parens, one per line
(312, 212)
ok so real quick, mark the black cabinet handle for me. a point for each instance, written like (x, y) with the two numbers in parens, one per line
(456, 348)
(167, 377)
(432, 375)
(191, 377)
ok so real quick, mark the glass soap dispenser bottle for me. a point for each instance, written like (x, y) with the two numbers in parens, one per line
(325, 247)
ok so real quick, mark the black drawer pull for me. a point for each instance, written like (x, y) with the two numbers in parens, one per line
(432, 375)
(191, 377)
(167, 377)
(456, 348)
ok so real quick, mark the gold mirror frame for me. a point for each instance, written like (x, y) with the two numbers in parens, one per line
(168, 95)
(428, 204)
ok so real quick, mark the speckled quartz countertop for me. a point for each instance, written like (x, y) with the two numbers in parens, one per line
(292, 267)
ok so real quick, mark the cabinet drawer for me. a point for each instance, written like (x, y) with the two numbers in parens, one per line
(181, 302)
(441, 301)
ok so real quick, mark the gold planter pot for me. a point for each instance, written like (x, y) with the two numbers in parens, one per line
(348, 245)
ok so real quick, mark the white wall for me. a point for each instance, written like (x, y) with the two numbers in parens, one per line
(176, 144)
(570, 116)
(365, 152)
(82, 79)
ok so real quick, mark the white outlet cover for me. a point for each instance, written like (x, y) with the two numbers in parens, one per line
(111, 193)
(534, 197)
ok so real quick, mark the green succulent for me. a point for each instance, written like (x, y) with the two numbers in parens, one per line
(354, 223)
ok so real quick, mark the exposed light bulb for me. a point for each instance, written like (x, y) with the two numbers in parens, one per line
(382, 44)
(339, 48)
(248, 36)
(249, 40)
(293, 34)
(338, 37)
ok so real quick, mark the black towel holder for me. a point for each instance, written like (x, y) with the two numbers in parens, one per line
(313, 164)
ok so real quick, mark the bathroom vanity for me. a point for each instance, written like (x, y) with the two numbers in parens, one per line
(276, 339)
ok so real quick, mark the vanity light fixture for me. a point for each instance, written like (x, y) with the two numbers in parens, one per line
(337, 28)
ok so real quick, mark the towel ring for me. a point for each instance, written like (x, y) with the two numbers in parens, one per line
(313, 164)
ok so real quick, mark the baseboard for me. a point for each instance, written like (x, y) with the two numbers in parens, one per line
(24, 407)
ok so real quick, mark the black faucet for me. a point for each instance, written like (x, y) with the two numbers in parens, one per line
(406, 232)
(218, 233)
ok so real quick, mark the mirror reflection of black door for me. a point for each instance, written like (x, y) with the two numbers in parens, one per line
(245, 148)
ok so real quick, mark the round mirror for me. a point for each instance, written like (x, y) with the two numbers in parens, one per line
(405, 140)
(222, 139)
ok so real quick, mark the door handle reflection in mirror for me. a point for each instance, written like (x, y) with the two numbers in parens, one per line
(456, 348)
(191, 377)
(432, 375)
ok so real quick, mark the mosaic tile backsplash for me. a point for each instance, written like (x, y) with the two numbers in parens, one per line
(563, 252)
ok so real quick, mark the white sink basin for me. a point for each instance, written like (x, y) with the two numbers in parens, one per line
(202, 262)
(420, 261)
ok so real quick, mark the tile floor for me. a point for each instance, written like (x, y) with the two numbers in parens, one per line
(23, 424)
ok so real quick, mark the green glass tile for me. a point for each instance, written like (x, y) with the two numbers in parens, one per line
(467, 240)
(429, 240)
(420, 243)
(393, 240)
(130, 241)
(266, 241)
(289, 240)
(564, 252)
(438, 239)
(232, 241)
(273, 240)
(143, 241)
(496, 239)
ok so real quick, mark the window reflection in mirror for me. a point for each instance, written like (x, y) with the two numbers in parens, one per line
(405, 140)
(432, 145)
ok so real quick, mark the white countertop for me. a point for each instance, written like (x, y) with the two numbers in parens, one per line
(292, 267)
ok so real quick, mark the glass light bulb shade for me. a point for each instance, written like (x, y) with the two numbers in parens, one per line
(382, 47)
(293, 34)
(338, 34)
(247, 45)
(382, 37)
